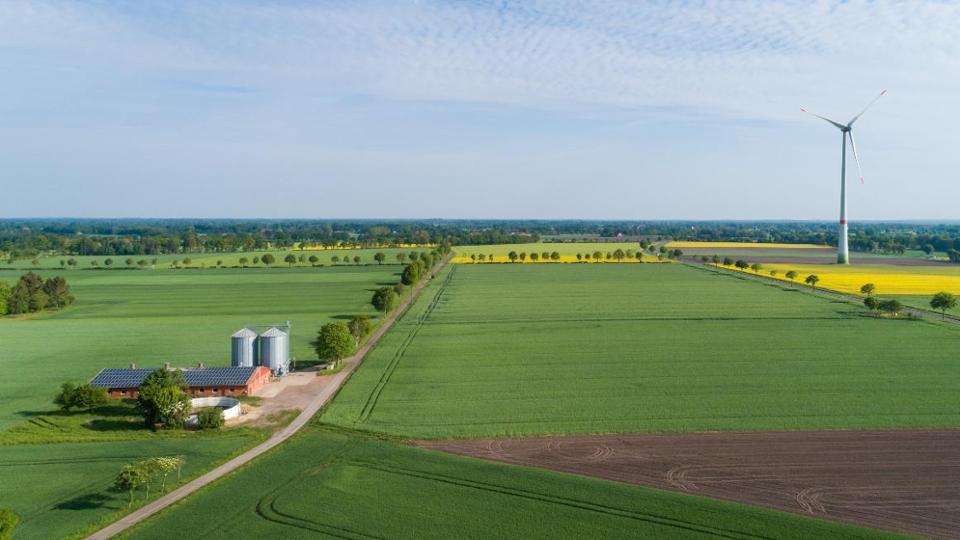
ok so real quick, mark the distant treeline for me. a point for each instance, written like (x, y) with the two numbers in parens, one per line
(135, 237)
(29, 238)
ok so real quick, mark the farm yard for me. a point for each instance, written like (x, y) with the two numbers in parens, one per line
(332, 483)
(567, 349)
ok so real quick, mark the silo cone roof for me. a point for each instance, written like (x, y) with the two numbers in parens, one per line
(273, 332)
(245, 333)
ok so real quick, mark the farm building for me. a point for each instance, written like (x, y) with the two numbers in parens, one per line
(202, 381)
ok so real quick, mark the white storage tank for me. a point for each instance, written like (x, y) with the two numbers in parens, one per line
(243, 348)
(275, 350)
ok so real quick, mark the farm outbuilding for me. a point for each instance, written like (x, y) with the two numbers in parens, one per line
(202, 381)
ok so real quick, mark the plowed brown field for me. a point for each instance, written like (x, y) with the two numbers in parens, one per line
(904, 481)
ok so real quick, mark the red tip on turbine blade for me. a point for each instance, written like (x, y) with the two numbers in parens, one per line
(861, 180)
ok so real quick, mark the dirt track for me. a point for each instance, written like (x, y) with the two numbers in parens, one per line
(904, 481)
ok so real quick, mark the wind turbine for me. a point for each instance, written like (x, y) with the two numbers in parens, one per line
(846, 130)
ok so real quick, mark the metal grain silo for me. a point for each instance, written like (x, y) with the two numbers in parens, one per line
(243, 348)
(275, 350)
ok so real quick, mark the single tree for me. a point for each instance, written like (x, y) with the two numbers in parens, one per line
(129, 261)
(335, 259)
(401, 257)
(130, 477)
(756, 267)
(534, 257)
(219, 263)
(379, 257)
(411, 274)
(108, 262)
(313, 260)
(812, 280)
(243, 262)
(554, 256)
(871, 303)
(943, 301)
(727, 261)
(360, 326)
(523, 256)
(868, 289)
(163, 398)
(597, 256)
(334, 342)
(71, 262)
(290, 259)
(773, 273)
(188, 261)
(579, 257)
(166, 465)
(639, 256)
(356, 259)
(512, 256)
(268, 258)
(618, 255)
(893, 307)
(715, 259)
(742, 264)
(384, 299)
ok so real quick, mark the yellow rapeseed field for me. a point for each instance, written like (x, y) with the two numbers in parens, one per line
(889, 279)
(736, 245)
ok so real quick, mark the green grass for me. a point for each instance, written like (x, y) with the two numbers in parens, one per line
(61, 489)
(492, 350)
(329, 484)
(177, 316)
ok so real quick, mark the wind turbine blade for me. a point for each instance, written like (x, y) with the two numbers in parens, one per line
(825, 119)
(865, 108)
(855, 156)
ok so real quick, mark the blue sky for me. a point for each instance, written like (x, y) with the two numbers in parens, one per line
(462, 109)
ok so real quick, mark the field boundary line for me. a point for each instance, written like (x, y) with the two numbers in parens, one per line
(318, 402)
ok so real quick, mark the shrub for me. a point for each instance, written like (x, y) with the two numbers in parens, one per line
(210, 418)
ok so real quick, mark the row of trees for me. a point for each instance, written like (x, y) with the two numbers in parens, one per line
(32, 294)
(144, 473)
(336, 340)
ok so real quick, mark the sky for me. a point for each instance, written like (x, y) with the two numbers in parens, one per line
(600, 109)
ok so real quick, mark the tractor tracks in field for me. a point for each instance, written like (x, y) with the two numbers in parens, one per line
(374, 396)
(573, 504)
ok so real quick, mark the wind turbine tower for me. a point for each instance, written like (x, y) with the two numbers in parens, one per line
(846, 131)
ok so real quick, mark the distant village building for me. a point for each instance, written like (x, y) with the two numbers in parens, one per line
(202, 381)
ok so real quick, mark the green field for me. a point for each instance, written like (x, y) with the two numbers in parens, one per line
(493, 350)
(61, 489)
(331, 484)
(177, 316)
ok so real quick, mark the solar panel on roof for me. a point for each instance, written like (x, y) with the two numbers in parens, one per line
(133, 378)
